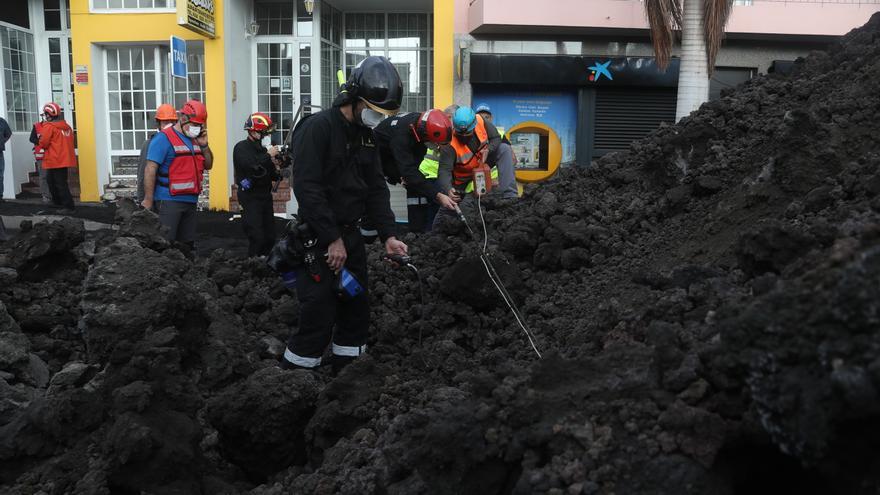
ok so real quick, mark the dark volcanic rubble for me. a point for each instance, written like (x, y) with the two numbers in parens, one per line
(707, 305)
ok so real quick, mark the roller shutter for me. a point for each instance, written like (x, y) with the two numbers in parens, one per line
(624, 115)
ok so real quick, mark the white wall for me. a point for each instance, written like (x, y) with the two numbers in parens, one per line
(102, 125)
(240, 67)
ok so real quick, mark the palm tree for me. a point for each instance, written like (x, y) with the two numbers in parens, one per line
(702, 28)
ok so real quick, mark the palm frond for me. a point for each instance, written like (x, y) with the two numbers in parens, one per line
(664, 17)
(715, 16)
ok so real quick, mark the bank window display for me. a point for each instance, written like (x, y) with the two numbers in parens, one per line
(275, 85)
(131, 4)
(406, 40)
(541, 126)
(20, 78)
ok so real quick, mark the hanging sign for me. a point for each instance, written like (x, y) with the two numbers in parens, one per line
(197, 15)
(178, 57)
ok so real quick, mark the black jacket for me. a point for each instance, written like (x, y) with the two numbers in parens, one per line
(401, 155)
(337, 179)
(5, 134)
(251, 161)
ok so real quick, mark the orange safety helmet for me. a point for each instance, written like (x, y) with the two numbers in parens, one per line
(259, 122)
(166, 112)
(52, 109)
(195, 112)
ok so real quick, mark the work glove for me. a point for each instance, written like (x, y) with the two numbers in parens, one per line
(245, 184)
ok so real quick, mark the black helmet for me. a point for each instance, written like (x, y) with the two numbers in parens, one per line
(377, 82)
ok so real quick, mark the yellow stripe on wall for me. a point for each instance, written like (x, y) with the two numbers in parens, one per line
(444, 46)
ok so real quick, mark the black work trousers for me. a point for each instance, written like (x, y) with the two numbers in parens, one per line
(258, 221)
(58, 188)
(420, 211)
(321, 309)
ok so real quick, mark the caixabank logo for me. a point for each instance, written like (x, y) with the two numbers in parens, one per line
(597, 70)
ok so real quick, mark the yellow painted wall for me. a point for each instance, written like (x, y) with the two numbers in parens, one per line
(444, 46)
(88, 29)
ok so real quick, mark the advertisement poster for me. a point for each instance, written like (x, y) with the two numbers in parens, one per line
(556, 110)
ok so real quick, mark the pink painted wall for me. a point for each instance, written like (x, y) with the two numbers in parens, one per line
(762, 17)
(461, 14)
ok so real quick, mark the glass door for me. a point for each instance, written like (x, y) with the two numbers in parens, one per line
(276, 85)
(133, 91)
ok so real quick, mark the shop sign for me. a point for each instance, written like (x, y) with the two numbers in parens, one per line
(197, 15)
(81, 75)
(566, 70)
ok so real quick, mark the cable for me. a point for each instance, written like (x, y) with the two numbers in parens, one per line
(483, 221)
(510, 305)
(495, 278)
(422, 295)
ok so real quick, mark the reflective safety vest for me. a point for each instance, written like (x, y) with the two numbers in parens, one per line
(39, 152)
(430, 164)
(186, 170)
(465, 160)
(500, 131)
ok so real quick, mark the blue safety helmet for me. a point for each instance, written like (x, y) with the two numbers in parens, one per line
(483, 107)
(464, 121)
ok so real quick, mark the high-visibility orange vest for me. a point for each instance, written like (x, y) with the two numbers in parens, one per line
(466, 160)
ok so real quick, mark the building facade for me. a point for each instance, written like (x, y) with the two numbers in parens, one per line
(569, 82)
(584, 72)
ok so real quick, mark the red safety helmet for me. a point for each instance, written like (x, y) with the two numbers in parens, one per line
(259, 122)
(195, 111)
(434, 127)
(52, 109)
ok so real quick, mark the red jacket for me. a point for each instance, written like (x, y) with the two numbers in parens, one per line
(57, 140)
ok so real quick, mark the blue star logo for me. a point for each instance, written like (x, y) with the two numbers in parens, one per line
(598, 70)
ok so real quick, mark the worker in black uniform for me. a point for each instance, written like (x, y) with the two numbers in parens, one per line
(256, 167)
(401, 143)
(337, 180)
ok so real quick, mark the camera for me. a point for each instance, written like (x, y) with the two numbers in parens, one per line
(284, 153)
(294, 248)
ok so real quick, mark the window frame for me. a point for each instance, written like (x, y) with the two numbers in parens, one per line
(134, 10)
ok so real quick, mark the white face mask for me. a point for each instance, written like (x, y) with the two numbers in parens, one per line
(193, 131)
(266, 141)
(371, 118)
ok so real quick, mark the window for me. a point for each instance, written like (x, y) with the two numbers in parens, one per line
(20, 78)
(331, 52)
(52, 15)
(56, 71)
(132, 82)
(132, 4)
(275, 85)
(405, 39)
(274, 17)
(728, 77)
(193, 87)
(15, 13)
